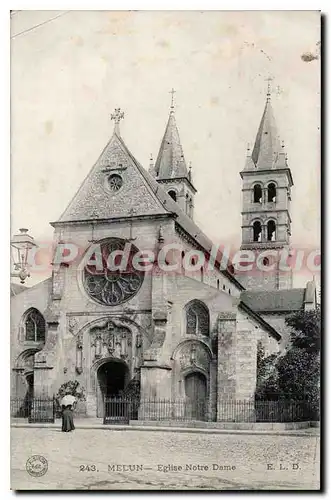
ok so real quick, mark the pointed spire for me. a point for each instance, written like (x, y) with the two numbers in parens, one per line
(267, 147)
(170, 162)
(117, 116)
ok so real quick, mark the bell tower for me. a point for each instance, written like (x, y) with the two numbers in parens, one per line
(266, 198)
(170, 168)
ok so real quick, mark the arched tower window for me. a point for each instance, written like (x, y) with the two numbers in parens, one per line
(271, 230)
(257, 193)
(190, 207)
(271, 192)
(34, 326)
(197, 318)
(257, 231)
(173, 194)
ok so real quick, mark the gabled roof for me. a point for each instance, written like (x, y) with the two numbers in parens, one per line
(95, 200)
(170, 161)
(275, 300)
(92, 202)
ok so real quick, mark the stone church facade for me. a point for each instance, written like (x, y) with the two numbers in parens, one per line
(175, 335)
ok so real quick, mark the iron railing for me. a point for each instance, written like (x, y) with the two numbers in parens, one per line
(34, 409)
(122, 410)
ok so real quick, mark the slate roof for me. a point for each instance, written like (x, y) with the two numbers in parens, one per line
(170, 162)
(274, 301)
(268, 152)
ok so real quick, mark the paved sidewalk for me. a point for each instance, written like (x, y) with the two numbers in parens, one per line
(97, 423)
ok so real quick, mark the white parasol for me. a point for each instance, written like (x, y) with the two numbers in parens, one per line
(68, 400)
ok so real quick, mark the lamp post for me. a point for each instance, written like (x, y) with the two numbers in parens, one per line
(22, 243)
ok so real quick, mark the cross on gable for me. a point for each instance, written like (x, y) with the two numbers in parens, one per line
(117, 116)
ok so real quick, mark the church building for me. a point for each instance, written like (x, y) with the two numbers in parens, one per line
(180, 335)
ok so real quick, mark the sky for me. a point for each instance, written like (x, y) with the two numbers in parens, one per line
(68, 75)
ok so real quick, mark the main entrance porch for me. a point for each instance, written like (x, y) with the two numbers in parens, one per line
(112, 379)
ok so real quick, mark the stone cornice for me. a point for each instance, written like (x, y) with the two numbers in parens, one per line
(268, 171)
(103, 313)
(113, 220)
(171, 180)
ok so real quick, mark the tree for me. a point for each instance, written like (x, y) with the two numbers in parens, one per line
(299, 368)
(296, 373)
(306, 330)
(266, 376)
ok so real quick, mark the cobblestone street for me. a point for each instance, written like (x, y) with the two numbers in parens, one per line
(197, 461)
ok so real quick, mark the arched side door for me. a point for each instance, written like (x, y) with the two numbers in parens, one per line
(196, 395)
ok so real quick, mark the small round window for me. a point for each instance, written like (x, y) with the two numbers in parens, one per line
(115, 182)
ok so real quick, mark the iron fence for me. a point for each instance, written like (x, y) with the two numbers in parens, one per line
(34, 409)
(122, 410)
(263, 411)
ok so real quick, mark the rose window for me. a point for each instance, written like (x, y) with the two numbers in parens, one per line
(115, 182)
(106, 283)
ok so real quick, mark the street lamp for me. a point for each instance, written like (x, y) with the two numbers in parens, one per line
(22, 242)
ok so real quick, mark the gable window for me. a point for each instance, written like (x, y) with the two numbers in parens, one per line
(257, 231)
(115, 182)
(257, 193)
(34, 326)
(197, 318)
(271, 192)
(173, 194)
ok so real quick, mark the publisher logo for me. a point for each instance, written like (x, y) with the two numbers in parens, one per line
(37, 465)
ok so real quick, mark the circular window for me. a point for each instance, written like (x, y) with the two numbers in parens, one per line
(115, 182)
(116, 280)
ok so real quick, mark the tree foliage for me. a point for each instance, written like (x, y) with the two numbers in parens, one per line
(294, 374)
(71, 387)
(306, 330)
(267, 377)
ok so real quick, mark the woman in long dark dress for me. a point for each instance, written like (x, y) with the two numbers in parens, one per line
(67, 419)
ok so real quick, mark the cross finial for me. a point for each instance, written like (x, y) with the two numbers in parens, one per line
(117, 116)
(172, 92)
(269, 80)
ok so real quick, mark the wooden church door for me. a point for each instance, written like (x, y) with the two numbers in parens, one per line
(196, 394)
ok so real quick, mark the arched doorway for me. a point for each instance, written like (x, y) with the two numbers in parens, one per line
(113, 377)
(196, 394)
